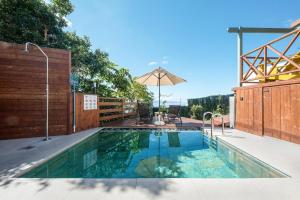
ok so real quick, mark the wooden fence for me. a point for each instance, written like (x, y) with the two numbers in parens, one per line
(23, 96)
(84, 119)
(22, 91)
(115, 108)
(109, 109)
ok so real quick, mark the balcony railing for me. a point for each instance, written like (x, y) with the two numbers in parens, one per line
(267, 63)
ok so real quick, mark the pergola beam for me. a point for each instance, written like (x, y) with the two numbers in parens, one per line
(258, 30)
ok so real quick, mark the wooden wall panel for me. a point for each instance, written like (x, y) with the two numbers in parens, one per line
(267, 111)
(270, 110)
(85, 119)
(246, 110)
(242, 113)
(239, 110)
(275, 116)
(22, 91)
(257, 111)
(286, 113)
(250, 109)
(295, 108)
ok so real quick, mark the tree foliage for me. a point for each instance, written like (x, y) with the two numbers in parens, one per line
(43, 23)
(34, 21)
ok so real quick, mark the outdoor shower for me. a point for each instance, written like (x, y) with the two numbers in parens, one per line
(47, 85)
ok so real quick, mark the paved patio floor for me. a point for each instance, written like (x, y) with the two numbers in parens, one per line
(280, 154)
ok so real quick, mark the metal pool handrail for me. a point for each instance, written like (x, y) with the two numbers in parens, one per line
(211, 121)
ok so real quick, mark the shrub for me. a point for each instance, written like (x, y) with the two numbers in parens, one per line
(196, 111)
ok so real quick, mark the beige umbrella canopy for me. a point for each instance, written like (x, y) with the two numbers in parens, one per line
(159, 77)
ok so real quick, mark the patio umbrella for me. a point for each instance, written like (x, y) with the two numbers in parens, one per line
(159, 77)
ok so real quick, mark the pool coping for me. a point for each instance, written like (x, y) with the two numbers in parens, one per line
(162, 189)
(254, 158)
(217, 138)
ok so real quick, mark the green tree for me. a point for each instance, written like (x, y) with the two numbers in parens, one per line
(122, 81)
(140, 92)
(43, 23)
(35, 21)
(91, 66)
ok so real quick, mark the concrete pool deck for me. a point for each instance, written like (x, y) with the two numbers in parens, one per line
(16, 155)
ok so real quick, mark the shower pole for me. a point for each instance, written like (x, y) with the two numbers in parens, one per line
(47, 85)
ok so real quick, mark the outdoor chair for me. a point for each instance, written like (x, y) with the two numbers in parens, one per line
(144, 112)
(174, 113)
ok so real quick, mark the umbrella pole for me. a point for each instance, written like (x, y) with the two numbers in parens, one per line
(159, 92)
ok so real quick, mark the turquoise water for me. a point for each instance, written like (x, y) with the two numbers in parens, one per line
(152, 154)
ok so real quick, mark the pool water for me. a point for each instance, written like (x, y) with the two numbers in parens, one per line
(152, 154)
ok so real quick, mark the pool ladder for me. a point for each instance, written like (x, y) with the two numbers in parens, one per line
(214, 144)
(211, 122)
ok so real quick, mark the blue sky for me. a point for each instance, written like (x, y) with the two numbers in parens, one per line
(187, 37)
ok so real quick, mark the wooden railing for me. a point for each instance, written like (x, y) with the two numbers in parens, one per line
(262, 67)
(115, 108)
(130, 108)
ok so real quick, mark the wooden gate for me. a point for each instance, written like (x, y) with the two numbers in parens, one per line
(249, 110)
(282, 112)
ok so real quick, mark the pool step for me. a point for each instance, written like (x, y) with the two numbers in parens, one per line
(214, 144)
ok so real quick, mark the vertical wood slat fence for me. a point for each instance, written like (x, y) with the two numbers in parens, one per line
(115, 108)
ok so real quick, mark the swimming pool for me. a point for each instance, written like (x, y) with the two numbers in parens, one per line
(152, 154)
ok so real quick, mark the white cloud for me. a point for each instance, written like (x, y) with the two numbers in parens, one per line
(164, 62)
(152, 63)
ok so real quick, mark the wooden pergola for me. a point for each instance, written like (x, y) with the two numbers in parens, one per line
(242, 30)
(262, 65)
